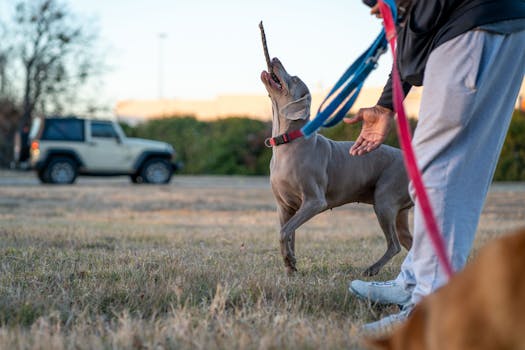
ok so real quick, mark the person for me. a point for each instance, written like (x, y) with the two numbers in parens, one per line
(470, 57)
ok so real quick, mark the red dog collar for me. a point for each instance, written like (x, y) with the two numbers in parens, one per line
(283, 138)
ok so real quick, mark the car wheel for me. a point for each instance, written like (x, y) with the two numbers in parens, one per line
(156, 171)
(136, 178)
(61, 171)
(42, 176)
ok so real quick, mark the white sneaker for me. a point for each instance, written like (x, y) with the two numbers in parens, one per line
(387, 324)
(389, 292)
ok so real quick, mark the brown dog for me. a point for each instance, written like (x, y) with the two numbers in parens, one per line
(482, 307)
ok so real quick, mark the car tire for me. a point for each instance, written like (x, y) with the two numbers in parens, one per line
(42, 176)
(156, 171)
(61, 171)
(136, 178)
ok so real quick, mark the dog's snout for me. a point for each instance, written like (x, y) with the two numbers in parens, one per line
(276, 63)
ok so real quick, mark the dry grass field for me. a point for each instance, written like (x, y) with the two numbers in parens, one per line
(105, 264)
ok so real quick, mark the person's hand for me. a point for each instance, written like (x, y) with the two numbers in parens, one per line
(375, 11)
(376, 125)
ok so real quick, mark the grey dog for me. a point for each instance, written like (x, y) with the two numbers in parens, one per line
(311, 175)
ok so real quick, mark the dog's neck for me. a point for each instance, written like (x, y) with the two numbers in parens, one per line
(281, 124)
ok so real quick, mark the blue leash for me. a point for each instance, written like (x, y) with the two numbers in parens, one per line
(344, 93)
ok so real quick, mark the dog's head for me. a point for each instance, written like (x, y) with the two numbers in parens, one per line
(289, 94)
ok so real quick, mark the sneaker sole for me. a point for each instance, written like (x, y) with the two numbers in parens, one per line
(362, 297)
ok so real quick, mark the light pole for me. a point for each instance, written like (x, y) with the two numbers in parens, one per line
(161, 37)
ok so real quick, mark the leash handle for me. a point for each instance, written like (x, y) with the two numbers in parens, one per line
(388, 12)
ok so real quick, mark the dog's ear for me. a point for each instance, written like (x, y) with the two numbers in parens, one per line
(298, 109)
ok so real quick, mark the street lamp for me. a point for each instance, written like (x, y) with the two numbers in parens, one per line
(161, 37)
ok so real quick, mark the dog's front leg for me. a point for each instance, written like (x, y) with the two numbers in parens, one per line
(308, 209)
(285, 214)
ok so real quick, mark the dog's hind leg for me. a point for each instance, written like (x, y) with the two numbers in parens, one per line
(403, 230)
(387, 221)
(308, 209)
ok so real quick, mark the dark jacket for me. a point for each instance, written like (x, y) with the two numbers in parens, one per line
(430, 23)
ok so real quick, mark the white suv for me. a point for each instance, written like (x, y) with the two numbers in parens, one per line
(62, 148)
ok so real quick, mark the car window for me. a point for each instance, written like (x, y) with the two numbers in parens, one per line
(35, 128)
(102, 129)
(63, 130)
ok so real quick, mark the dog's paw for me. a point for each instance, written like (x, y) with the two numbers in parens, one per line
(290, 271)
(290, 265)
(371, 271)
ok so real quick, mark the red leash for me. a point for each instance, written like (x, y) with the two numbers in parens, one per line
(406, 145)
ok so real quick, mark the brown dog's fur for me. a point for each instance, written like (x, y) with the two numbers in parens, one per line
(482, 307)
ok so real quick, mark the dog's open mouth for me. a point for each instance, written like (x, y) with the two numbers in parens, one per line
(273, 80)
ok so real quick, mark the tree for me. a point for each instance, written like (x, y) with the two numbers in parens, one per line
(54, 55)
(4, 59)
(9, 115)
(3, 77)
(55, 51)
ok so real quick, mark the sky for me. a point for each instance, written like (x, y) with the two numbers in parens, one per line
(199, 49)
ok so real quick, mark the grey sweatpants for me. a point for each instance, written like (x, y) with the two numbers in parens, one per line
(470, 88)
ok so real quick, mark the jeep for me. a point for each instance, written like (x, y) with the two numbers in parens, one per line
(63, 148)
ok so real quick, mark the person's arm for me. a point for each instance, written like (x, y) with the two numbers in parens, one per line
(376, 120)
(386, 98)
(426, 15)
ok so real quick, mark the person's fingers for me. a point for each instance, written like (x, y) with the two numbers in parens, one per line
(375, 11)
(365, 146)
(351, 120)
(359, 147)
(359, 152)
(372, 146)
(356, 145)
(356, 118)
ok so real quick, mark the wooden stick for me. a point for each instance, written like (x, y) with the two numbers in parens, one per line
(267, 54)
(265, 47)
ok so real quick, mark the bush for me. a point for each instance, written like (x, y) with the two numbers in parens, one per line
(511, 165)
(224, 147)
(236, 145)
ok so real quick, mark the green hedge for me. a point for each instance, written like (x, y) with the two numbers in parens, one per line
(511, 165)
(225, 146)
(236, 145)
